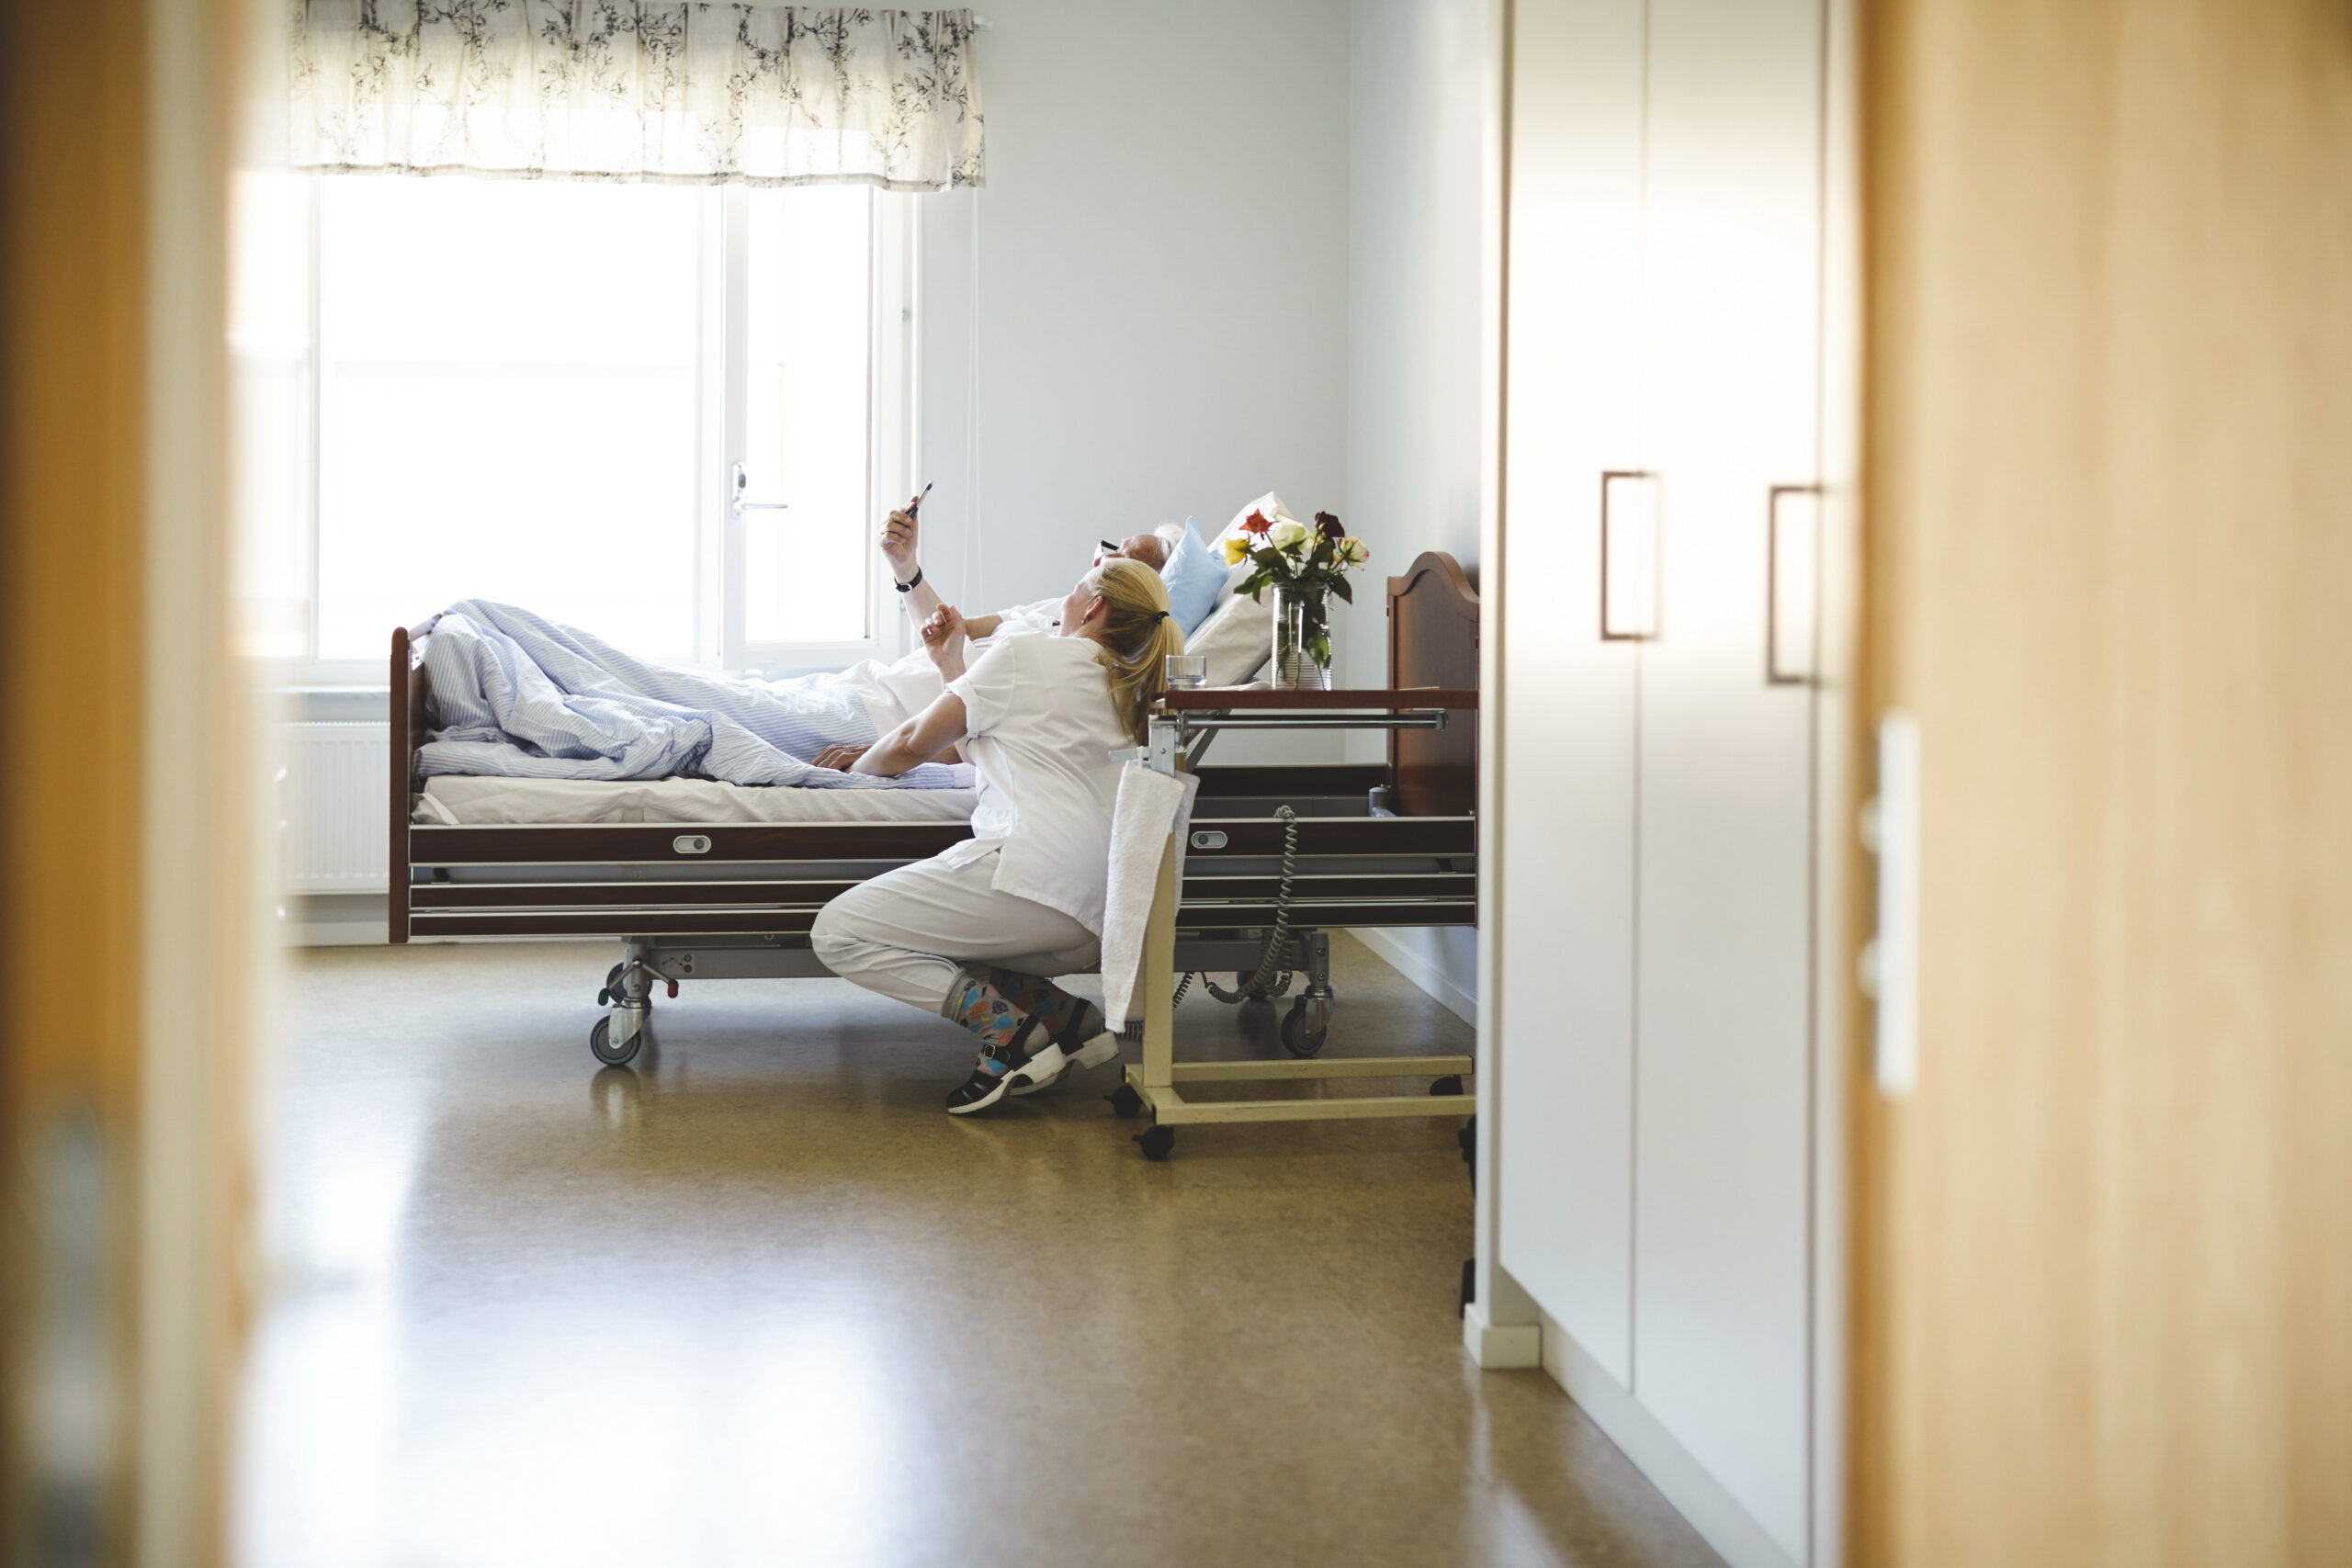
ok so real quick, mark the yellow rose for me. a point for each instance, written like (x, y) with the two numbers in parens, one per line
(1236, 550)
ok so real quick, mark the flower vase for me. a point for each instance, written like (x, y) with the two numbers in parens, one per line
(1302, 638)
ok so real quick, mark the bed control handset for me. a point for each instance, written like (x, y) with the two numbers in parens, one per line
(691, 845)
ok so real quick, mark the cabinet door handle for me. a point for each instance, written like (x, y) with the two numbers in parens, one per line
(1775, 672)
(1639, 623)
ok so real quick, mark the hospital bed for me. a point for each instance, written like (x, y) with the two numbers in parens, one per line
(701, 880)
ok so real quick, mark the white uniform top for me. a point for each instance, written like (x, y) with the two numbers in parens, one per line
(1040, 728)
(896, 693)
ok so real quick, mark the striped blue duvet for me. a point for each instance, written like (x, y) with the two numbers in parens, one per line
(518, 696)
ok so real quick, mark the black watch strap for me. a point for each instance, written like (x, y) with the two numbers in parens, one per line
(910, 584)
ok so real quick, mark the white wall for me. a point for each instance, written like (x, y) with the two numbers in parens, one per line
(1418, 117)
(1225, 247)
(1162, 283)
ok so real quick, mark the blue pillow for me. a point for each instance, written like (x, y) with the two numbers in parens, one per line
(1194, 577)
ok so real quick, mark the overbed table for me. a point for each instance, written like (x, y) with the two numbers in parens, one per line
(1178, 720)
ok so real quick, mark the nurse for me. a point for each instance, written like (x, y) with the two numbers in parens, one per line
(972, 932)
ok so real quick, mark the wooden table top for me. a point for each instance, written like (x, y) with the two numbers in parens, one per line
(1236, 698)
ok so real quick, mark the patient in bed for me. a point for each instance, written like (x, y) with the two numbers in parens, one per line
(896, 693)
(515, 695)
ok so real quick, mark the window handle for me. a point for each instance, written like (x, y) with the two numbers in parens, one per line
(739, 506)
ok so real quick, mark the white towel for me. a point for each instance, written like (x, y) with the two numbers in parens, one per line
(1151, 806)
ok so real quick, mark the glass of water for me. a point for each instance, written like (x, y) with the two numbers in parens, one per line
(1187, 671)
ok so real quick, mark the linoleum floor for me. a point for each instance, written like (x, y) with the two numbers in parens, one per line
(755, 1299)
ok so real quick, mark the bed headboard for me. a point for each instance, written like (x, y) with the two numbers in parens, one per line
(408, 722)
(1433, 641)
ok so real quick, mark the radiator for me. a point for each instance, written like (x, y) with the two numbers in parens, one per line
(332, 804)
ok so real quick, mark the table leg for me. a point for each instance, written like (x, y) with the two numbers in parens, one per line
(1159, 977)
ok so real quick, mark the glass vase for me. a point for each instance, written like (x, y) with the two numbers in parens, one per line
(1302, 638)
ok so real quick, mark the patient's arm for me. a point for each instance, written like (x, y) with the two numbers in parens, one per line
(978, 626)
(901, 548)
(925, 737)
(943, 639)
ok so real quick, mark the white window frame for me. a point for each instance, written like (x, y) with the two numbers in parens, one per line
(893, 441)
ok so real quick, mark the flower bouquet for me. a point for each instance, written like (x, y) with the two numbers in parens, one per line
(1303, 564)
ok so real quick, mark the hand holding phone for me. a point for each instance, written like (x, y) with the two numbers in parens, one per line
(901, 538)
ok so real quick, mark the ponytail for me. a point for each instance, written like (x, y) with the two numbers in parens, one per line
(1138, 636)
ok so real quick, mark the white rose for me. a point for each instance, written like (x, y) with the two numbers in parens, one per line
(1286, 534)
(1351, 552)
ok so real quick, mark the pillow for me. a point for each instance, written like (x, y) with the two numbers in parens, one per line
(1270, 504)
(1237, 639)
(1194, 578)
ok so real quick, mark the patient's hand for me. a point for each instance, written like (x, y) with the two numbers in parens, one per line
(901, 539)
(943, 639)
(841, 758)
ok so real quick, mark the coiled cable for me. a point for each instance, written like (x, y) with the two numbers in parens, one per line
(1278, 938)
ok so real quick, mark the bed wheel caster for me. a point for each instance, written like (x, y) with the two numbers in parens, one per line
(1125, 1101)
(1305, 1026)
(615, 989)
(1156, 1141)
(599, 1042)
(1451, 1084)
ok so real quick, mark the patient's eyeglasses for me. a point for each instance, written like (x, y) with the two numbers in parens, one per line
(1104, 549)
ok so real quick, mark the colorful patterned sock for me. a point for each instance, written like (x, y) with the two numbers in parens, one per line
(981, 1007)
(1055, 1009)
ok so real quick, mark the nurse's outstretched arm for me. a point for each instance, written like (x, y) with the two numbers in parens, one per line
(920, 739)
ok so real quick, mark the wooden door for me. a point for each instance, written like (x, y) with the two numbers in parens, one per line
(1723, 1288)
(125, 803)
(1565, 925)
(2104, 1299)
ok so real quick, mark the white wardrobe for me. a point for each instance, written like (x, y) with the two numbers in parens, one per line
(1654, 1037)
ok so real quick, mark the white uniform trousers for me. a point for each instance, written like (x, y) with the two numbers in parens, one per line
(906, 932)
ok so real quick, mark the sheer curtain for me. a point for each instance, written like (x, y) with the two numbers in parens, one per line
(620, 90)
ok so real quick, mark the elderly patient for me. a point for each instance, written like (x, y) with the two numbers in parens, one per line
(520, 697)
(913, 684)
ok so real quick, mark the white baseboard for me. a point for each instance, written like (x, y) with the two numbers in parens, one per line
(1419, 970)
(1499, 1347)
(335, 933)
(1697, 1495)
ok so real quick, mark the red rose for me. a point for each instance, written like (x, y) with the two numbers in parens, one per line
(1330, 526)
(1256, 523)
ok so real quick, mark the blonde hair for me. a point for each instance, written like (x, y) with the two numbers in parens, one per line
(1137, 635)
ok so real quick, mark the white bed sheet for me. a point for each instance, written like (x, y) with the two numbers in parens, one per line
(457, 801)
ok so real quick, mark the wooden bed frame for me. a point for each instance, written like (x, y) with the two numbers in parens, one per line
(733, 899)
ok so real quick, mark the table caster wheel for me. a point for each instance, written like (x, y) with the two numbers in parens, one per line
(600, 1040)
(1157, 1142)
(1450, 1084)
(612, 991)
(1124, 1101)
(1297, 1038)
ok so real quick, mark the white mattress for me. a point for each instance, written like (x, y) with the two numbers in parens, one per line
(466, 802)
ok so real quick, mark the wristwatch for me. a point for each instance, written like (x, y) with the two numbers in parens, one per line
(908, 585)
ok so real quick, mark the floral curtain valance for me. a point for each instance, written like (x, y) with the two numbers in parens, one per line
(619, 90)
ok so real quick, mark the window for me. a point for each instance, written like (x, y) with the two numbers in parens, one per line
(661, 413)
